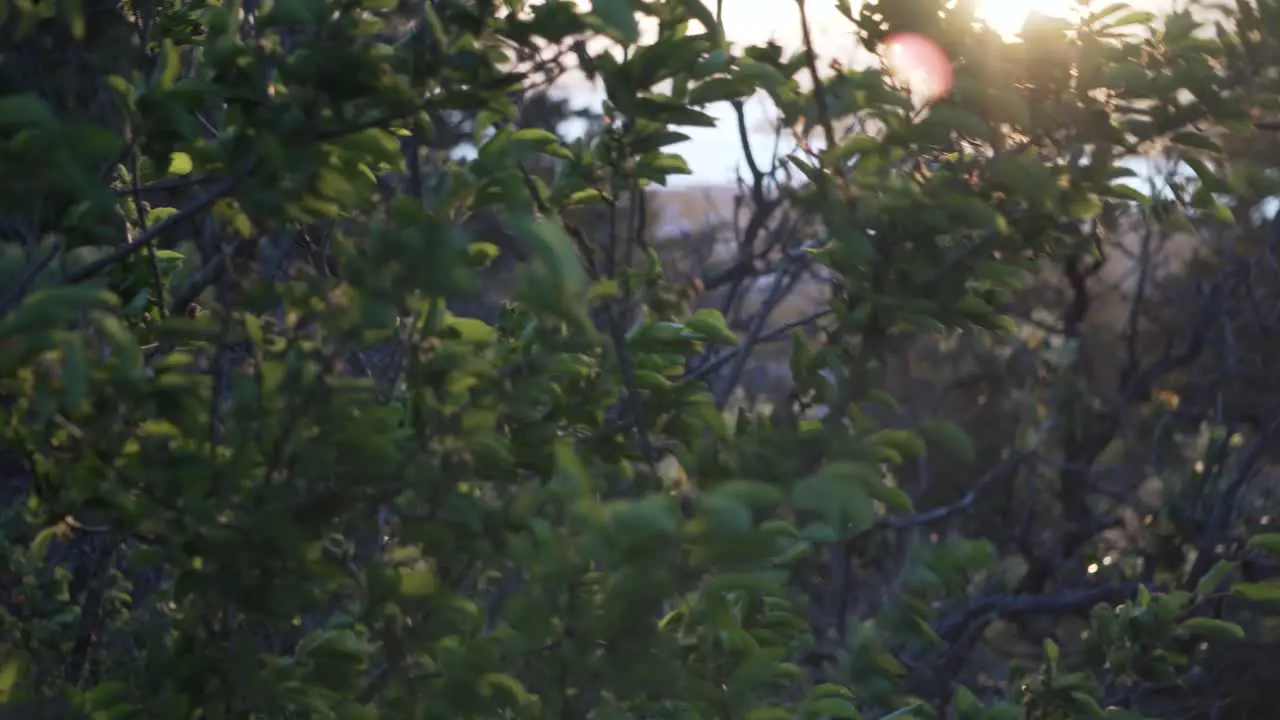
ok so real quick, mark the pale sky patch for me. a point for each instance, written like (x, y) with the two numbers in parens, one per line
(714, 154)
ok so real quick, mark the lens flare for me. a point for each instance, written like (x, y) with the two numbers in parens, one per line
(918, 63)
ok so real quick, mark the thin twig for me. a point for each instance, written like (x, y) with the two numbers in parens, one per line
(196, 206)
(774, 334)
(29, 277)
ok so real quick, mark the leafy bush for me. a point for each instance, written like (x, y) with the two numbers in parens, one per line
(255, 466)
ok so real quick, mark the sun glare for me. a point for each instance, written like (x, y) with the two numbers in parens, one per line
(918, 62)
(1007, 16)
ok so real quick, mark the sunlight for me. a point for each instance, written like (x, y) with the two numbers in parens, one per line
(918, 62)
(1007, 16)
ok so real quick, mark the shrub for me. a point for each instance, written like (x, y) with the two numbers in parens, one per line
(255, 467)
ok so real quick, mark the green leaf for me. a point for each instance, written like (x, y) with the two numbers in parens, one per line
(966, 704)
(157, 215)
(471, 330)
(831, 707)
(1010, 105)
(650, 140)
(514, 689)
(725, 515)
(483, 253)
(542, 141)
(840, 494)
(537, 137)
(607, 289)
(25, 109)
(752, 493)
(559, 277)
(924, 631)
(818, 532)
(702, 13)
(1115, 713)
(1211, 580)
(761, 74)
(253, 329)
(1101, 14)
(585, 197)
(40, 543)
(645, 519)
(418, 581)
(1084, 704)
(892, 496)
(1266, 542)
(951, 438)
(170, 258)
(123, 344)
(781, 528)
(763, 582)
(1085, 206)
(823, 690)
(72, 13)
(658, 167)
(903, 443)
(619, 16)
(1175, 219)
(1051, 652)
(1137, 17)
(1211, 181)
(180, 164)
(1203, 199)
(856, 145)
(570, 478)
(9, 673)
(953, 118)
(49, 308)
(294, 12)
(721, 89)
(107, 697)
(710, 323)
(1212, 627)
(1125, 192)
(659, 336)
(1257, 592)
(1022, 175)
(770, 713)
(672, 113)
(374, 144)
(169, 65)
(75, 374)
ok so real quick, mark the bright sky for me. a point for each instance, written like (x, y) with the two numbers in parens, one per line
(752, 21)
(714, 153)
(1007, 16)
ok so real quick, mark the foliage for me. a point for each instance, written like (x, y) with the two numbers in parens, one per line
(260, 469)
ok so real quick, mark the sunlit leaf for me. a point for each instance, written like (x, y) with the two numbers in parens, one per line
(418, 582)
(710, 323)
